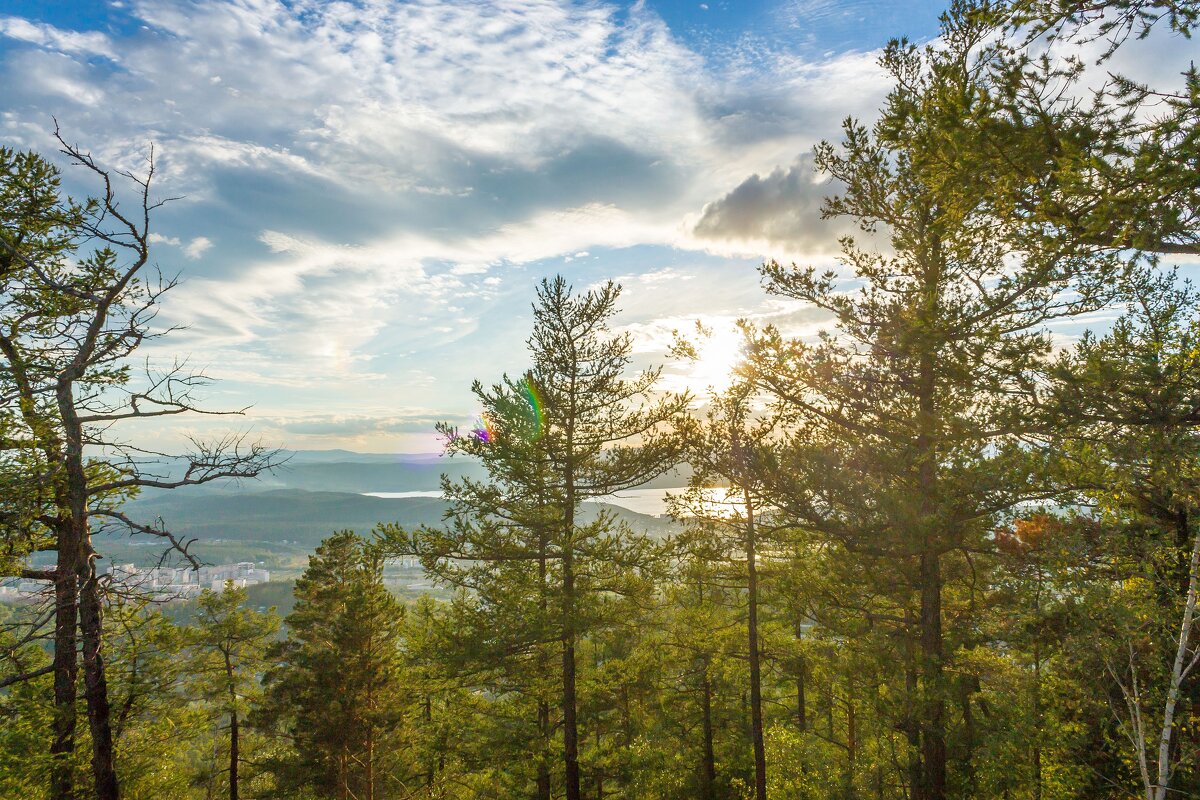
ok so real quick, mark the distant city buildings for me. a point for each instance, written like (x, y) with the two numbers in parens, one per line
(164, 584)
(161, 583)
(19, 589)
(177, 583)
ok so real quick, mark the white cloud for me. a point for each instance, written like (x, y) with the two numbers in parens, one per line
(197, 247)
(52, 38)
(376, 170)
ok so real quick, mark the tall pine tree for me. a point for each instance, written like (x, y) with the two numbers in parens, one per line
(574, 428)
(336, 691)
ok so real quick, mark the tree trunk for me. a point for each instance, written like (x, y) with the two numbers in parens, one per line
(933, 702)
(1180, 668)
(756, 714)
(801, 669)
(1183, 543)
(912, 726)
(543, 712)
(570, 725)
(429, 768)
(91, 622)
(829, 703)
(370, 765)
(66, 666)
(968, 685)
(851, 736)
(543, 769)
(233, 754)
(599, 770)
(708, 770)
(1037, 692)
(91, 611)
(234, 741)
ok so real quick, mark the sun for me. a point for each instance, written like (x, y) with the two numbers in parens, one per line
(718, 355)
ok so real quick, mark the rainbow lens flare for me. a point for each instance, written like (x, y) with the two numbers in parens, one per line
(537, 414)
(484, 430)
(522, 415)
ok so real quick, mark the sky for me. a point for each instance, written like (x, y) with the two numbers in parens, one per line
(371, 190)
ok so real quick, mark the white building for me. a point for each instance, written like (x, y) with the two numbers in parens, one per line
(177, 583)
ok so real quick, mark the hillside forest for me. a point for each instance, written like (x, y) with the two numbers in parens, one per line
(949, 547)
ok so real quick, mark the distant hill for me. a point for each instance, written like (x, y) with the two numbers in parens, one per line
(282, 515)
(370, 476)
(304, 518)
(337, 455)
(350, 472)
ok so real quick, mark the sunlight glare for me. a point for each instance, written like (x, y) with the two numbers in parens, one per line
(719, 355)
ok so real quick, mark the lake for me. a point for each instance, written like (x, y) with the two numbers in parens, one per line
(643, 501)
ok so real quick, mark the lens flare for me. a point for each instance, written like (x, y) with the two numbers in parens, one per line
(536, 410)
(522, 417)
(484, 430)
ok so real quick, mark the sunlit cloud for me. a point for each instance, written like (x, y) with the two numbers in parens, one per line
(374, 189)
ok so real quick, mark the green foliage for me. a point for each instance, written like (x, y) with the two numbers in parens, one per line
(334, 692)
(228, 644)
(573, 428)
(964, 546)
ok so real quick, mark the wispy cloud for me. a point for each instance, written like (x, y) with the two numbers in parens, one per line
(369, 186)
(197, 247)
(87, 43)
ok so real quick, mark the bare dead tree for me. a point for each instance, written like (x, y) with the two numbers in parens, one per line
(72, 317)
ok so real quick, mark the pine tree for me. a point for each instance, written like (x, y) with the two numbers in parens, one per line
(1108, 167)
(909, 418)
(722, 454)
(336, 691)
(75, 306)
(229, 643)
(573, 428)
(1128, 411)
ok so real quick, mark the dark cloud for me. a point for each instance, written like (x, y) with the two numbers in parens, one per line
(783, 208)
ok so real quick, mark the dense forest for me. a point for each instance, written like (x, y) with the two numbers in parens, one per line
(947, 548)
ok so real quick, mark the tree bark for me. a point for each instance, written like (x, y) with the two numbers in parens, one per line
(234, 741)
(912, 726)
(91, 622)
(1183, 541)
(708, 771)
(933, 702)
(91, 610)
(543, 788)
(569, 703)
(801, 670)
(66, 666)
(370, 765)
(756, 714)
(599, 770)
(968, 685)
(1180, 668)
(543, 769)
(1037, 690)
(430, 768)
(233, 754)
(851, 736)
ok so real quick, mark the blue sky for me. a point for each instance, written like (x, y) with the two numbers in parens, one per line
(371, 189)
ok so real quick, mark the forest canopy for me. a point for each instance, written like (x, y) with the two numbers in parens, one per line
(940, 549)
